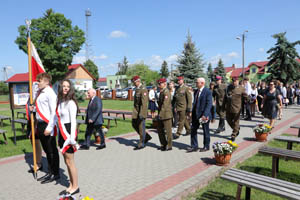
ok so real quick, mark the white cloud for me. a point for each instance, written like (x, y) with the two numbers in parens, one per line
(101, 57)
(172, 59)
(79, 59)
(233, 54)
(261, 49)
(118, 34)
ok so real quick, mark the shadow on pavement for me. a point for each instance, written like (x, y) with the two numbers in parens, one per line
(213, 195)
(248, 126)
(64, 181)
(250, 138)
(209, 160)
(290, 177)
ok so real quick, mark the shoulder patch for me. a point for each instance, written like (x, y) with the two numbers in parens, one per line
(145, 94)
(166, 96)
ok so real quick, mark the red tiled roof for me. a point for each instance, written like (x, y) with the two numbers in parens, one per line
(22, 77)
(228, 69)
(237, 72)
(102, 79)
(75, 66)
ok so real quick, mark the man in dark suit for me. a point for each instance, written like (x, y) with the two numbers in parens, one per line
(201, 115)
(94, 120)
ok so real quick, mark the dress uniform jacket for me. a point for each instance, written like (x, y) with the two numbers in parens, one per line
(219, 94)
(164, 105)
(183, 99)
(233, 98)
(140, 104)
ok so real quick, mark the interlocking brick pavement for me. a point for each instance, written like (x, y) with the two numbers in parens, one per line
(119, 172)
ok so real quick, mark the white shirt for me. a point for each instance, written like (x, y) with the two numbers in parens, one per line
(151, 94)
(46, 105)
(254, 92)
(67, 112)
(283, 90)
(248, 88)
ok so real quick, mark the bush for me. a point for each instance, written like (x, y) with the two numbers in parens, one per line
(3, 88)
(80, 95)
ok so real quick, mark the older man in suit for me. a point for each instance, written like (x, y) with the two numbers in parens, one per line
(201, 115)
(94, 120)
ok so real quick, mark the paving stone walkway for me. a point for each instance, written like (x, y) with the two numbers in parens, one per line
(119, 172)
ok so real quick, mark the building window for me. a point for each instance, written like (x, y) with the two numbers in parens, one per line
(253, 70)
(84, 85)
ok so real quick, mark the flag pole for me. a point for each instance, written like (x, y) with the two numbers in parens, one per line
(28, 22)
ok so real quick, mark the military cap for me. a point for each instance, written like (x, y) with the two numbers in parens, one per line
(162, 80)
(180, 78)
(218, 78)
(135, 78)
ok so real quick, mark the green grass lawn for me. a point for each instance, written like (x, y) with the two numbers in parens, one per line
(4, 98)
(23, 144)
(220, 189)
(112, 104)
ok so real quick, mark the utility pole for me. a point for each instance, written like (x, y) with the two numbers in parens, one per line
(243, 51)
(87, 46)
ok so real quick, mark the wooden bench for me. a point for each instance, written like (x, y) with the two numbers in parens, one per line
(3, 117)
(123, 113)
(297, 126)
(3, 133)
(23, 123)
(289, 139)
(250, 180)
(108, 118)
(277, 153)
(21, 113)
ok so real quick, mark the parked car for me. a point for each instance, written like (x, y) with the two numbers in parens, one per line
(119, 93)
(125, 92)
(107, 94)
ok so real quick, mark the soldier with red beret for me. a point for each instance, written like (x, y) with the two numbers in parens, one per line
(140, 112)
(165, 116)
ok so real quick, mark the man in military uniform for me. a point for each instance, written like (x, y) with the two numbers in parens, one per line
(140, 110)
(219, 93)
(233, 103)
(164, 127)
(183, 105)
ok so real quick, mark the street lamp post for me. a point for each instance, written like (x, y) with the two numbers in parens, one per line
(243, 50)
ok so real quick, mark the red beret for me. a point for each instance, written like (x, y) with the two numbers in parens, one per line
(235, 78)
(180, 78)
(162, 80)
(135, 78)
(219, 78)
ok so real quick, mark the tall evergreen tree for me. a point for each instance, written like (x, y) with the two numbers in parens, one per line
(190, 62)
(56, 41)
(283, 64)
(210, 72)
(93, 69)
(164, 71)
(123, 67)
(220, 70)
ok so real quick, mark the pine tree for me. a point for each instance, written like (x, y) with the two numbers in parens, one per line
(283, 64)
(123, 67)
(164, 71)
(190, 62)
(210, 72)
(220, 70)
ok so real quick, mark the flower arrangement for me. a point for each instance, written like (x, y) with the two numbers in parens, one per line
(262, 128)
(87, 198)
(224, 148)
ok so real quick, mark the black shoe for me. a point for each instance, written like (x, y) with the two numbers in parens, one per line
(169, 149)
(139, 147)
(51, 179)
(46, 176)
(234, 136)
(101, 147)
(84, 147)
(148, 138)
(248, 119)
(162, 148)
(75, 192)
(204, 149)
(31, 170)
(191, 149)
(176, 136)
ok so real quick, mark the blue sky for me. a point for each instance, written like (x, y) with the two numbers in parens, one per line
(155, 30)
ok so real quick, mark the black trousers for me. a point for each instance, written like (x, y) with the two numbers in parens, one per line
(50, 148)
(90, 128)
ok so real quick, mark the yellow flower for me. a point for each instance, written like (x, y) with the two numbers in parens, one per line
(234, 144)
(229, 142)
